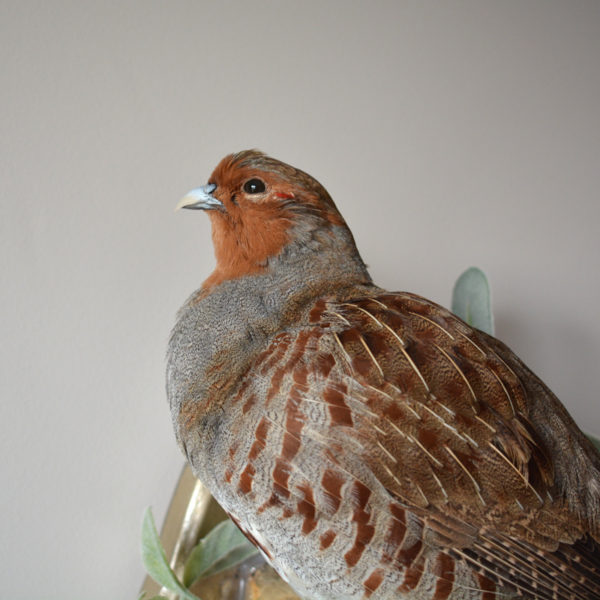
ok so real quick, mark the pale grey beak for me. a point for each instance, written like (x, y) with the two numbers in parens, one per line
(200, 199)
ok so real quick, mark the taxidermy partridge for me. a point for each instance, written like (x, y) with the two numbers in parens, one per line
(370, 443)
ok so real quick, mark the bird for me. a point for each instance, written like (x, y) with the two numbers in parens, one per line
(370, 443)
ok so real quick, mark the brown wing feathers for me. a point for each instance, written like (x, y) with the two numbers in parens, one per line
(427, 375)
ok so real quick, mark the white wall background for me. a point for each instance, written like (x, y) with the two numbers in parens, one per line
(449, 134)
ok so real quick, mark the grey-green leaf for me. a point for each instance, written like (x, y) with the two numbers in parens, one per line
(155, 559)
(222, 548)
(594, 441)
(471, 300)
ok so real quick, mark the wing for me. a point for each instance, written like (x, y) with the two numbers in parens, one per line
(386, 428)
(460, 431)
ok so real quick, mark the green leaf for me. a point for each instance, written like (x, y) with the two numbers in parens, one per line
(594, 440)
(222, 548)
(155, 559)
(471, 300)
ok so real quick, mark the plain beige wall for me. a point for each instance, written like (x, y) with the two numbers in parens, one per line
(449, 134)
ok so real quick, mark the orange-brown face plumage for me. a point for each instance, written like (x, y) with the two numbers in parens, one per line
(261, 198)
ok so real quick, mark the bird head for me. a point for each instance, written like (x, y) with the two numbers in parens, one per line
(259, 208)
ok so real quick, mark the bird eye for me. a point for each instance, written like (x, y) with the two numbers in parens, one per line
(254, 186)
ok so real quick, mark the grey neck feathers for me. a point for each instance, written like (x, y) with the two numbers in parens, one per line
(217, 335)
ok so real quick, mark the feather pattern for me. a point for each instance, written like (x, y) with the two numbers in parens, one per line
(372, 444)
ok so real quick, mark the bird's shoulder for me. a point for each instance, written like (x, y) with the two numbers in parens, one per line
(447, 412)
(455, 427)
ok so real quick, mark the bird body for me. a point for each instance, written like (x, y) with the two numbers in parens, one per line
(371, 444)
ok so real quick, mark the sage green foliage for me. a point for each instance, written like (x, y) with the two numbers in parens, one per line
(471, 300)
(225, 546)
(155, 559)
(142, 596)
